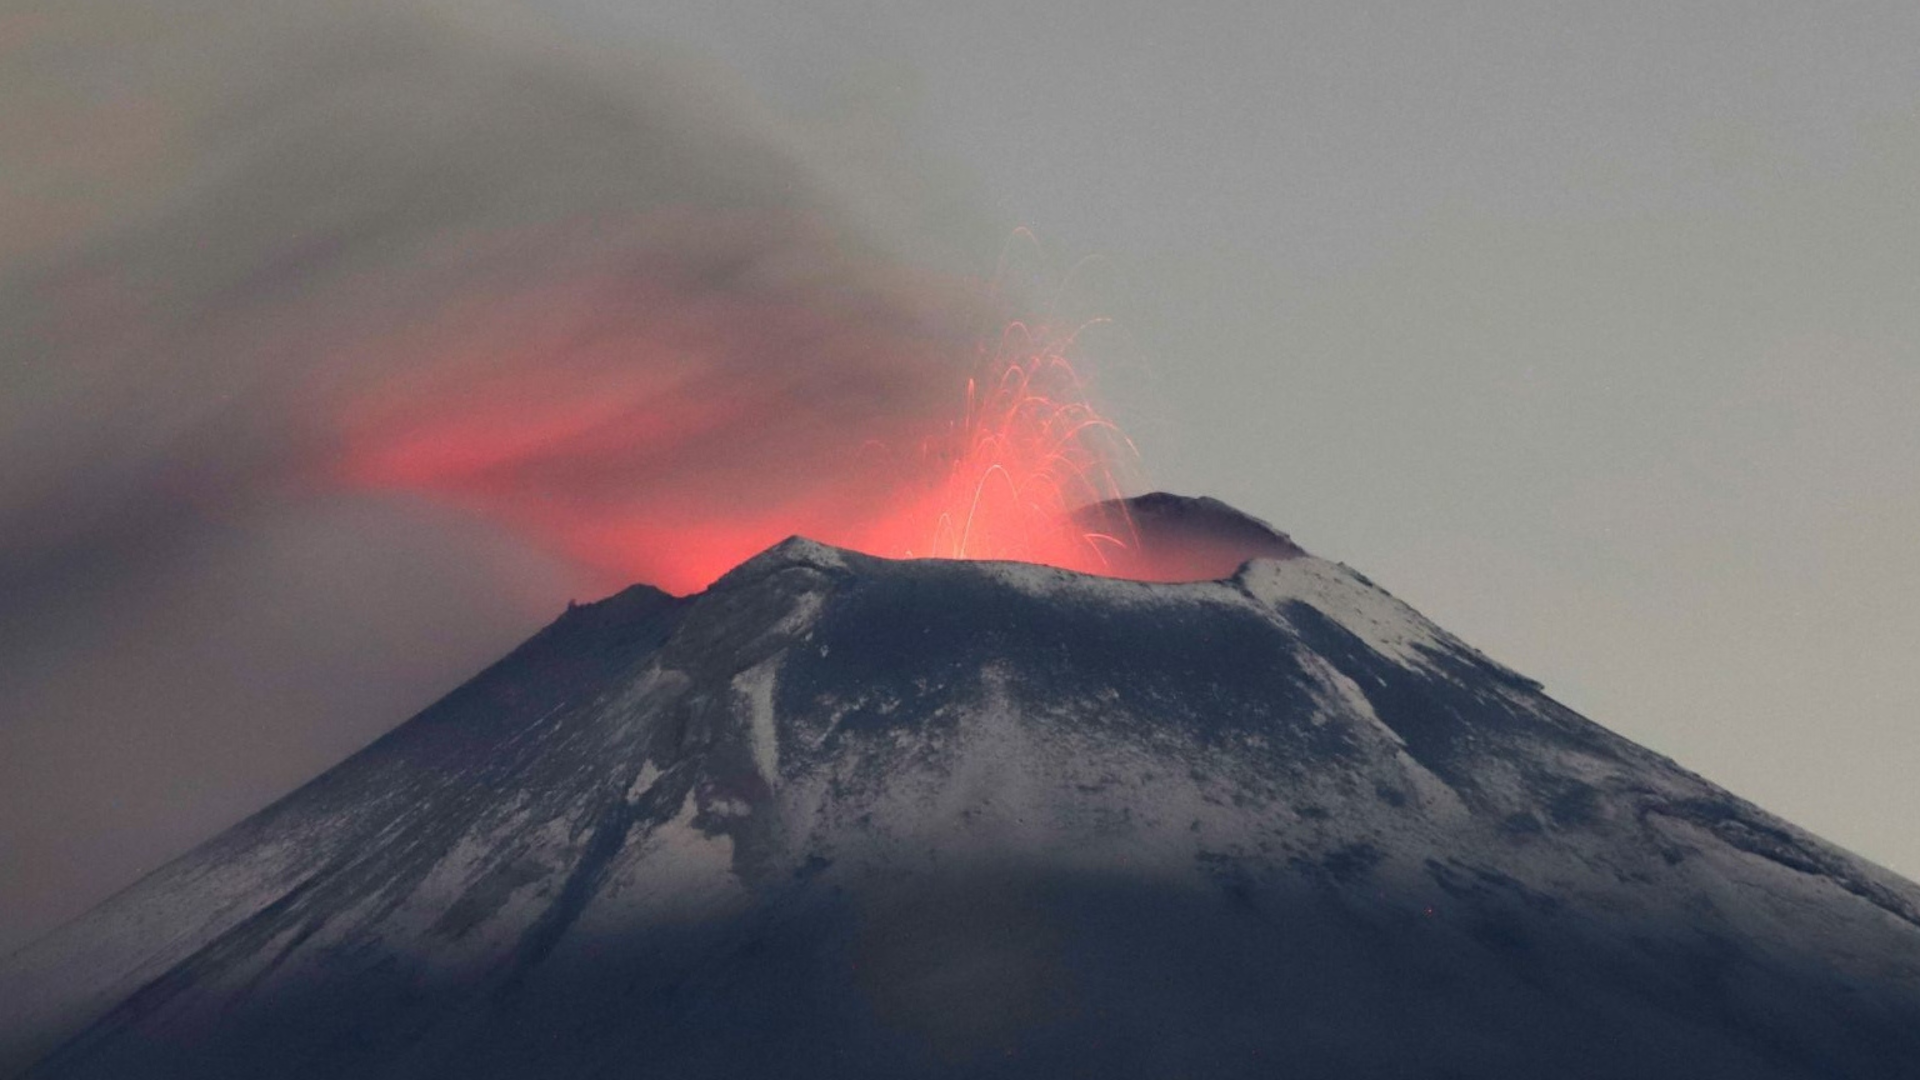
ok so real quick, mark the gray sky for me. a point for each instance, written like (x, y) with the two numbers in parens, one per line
(1591, 330)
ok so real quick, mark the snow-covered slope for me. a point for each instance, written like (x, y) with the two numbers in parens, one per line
(839, 816)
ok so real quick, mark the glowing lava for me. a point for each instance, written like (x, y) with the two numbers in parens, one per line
(1017, 472)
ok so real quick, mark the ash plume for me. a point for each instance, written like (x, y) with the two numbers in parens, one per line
(321, 315)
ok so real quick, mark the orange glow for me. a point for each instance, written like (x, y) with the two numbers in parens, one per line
(1028, 451)
(694, 427)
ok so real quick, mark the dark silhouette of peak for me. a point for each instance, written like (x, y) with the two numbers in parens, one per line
(1184, 538)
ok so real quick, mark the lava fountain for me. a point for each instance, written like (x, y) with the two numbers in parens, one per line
(1027, 473)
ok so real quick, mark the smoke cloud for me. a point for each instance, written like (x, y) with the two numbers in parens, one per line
(302, 301)
(712, 386)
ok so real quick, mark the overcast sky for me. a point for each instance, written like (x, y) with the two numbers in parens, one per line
(1593, 331)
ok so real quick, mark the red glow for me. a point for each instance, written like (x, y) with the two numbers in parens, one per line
(665, 429)
(1028, 451)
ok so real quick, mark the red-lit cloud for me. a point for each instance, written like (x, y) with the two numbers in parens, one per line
(666, 418)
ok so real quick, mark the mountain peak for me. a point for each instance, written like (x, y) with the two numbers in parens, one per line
(1187, 538)
(1164, 538)
(847, 816)
(794, 551)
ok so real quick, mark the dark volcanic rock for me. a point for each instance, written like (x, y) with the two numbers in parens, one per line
(839, 816)
(1183, 538)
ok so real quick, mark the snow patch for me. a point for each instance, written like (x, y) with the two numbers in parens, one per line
(755, 689)
(1386, 625)
(643, 782)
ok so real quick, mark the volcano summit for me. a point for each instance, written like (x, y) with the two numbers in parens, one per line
(845, 816)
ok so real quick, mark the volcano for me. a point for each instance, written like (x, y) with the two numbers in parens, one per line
(842, 816)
